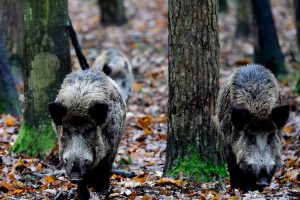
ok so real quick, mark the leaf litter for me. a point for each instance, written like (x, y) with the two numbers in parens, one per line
(142, 150)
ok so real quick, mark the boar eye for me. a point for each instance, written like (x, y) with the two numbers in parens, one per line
(99, 111)
(271, 138)
(90, 131)
(240, 117)
(66, 135)
(251, 138)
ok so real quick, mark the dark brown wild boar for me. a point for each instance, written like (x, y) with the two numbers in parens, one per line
(89, 114)
(250, 115)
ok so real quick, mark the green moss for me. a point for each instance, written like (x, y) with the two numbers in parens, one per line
(197, 168)
(34, 142)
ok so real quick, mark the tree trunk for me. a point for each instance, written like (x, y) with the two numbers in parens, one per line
(9, 102)
(297, 20)
(193, 145)
(47, 61)
(243, 19)
(266, 48)
(11, 30)
(223, 5)
(112, 12)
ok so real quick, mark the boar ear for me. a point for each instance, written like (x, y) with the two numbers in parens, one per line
(57, 112)
(99, 111)
(240, 117)
(280, 115)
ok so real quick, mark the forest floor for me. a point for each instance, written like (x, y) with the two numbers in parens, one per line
(144, 40)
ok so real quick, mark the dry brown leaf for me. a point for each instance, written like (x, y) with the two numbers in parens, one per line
(48, 179)
(6, 187)
(168, 181)
(39, 167)
(9, 120)
(243, 61)
(139, 179)
(146, 197)
(148, 131)
(288, 129)
(136, 87)
(145, 122)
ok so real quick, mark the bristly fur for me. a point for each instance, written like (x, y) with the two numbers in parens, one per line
(117, 66)
(251, 89)
(91, 129)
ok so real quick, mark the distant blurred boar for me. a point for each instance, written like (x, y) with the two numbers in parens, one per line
(117, 66)
(89, 115)
(250, 114)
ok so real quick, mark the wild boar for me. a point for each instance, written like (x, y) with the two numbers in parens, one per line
(117, 66)
(250, 115)
(89, 114)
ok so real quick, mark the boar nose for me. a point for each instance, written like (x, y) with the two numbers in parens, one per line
(249, 168)
(75, 174)
(263, 183)
(264, 178)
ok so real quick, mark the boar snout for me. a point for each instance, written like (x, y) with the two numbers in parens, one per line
(75, 173)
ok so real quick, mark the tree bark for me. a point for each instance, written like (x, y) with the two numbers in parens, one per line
(297, 20)
(9, 101)
(112, 12)
(193, 87)
(11, 30)
(297, 88)
(47, 61)
(266, 48)
(243, 19)
(223, 5)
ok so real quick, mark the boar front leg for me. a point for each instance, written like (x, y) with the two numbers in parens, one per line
(99, 177)
(83, 191)
(237, 177)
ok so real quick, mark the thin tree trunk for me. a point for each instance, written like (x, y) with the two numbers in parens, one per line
(9, 102)
(193, 87)
(297, 20)
(266, 48)
(112, 12)
(297, 89)
(47, 61)
(243, 18)
(223, 5)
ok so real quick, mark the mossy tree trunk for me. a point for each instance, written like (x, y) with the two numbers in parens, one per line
(243, 18)
(47, 61)
(112, 12)
(11, 29)
(266, 47)
(9, 102)
(193, 145)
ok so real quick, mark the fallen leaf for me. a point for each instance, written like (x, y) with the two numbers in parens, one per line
(9, 120)
(145, 122)
(48, 179)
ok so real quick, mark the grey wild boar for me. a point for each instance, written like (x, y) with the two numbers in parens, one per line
(250, 114)
(89, 114)
(117, 66)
